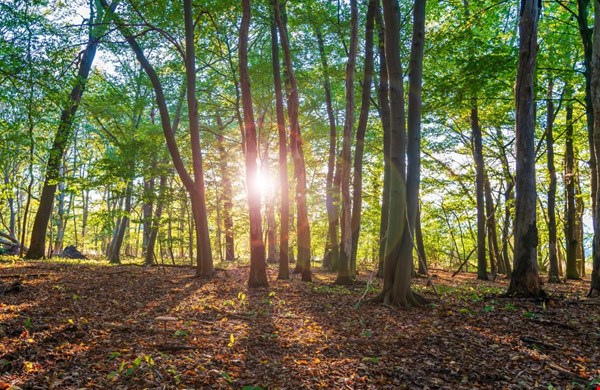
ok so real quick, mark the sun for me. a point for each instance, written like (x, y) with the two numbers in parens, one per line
(264, 182)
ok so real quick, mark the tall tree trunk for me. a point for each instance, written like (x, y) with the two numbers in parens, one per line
(595, 94)
(384, 114)
(302, 225)
(571, 211)
(284, 197)
(586, 38)
(360, 133)
(114, 254)
(345, 275)
(195, 190)
(495, 257)
(525, 280)
(331, 203)
(37, 245)
(258, 273)
(479, 191)
(404, 196)
(204, 265)
(272, 254)
(227, 195)
(579, 210)
(553, 276)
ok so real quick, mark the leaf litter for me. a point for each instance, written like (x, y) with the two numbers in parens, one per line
(98, 327)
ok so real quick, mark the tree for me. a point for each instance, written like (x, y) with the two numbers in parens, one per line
(479, 190)
(258, 273)
(525, 280)
(553, 276)
(595, 92)
(195, 187)
(570, 209)
(97, 28)
(302, 226)
(403, 194)
(284, 204)
(357, 179)
(345, 275)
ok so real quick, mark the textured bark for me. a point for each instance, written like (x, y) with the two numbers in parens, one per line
(570, 212)
(272, 253)
(114, 252)
(595, 94)
(258, 273)
(331, 203)
(525, 280)
(384, 114)
(360, 134)
(509, 197)
(227, 194)
(403, 195)
(553, 276)
(284, 197)
(345, 275)
(302, 225)
(479, 191)
(37, 246)
(497, 265)
(586, 34)
(579, 210)
(204, 264)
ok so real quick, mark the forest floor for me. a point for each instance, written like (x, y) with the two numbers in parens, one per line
(94, 326)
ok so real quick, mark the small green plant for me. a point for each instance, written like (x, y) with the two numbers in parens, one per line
(28, 324)
(226, 376)
(528, 314)
(487, 309)
(113, 355)
(510, 307)
(181, 333)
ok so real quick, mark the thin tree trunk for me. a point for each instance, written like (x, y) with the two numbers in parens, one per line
(553, 276)
(360, 133)
(345, 275)
(302, 225)
(272, 254)
(479, 191)
(284, 202)
(525, 280)
(595, 94)
(115, 245)
(227, 194)
(258, 273)
(571, 211)
(384, 114)
(38, 234)
(331, 203)
(579, 209)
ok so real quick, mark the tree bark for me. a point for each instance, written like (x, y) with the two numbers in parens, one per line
(479, 191)
(302, 225)
(525, 280)
(384, 114)
(586, 34)
(571, 211)
(553, 276)
(496, 263)
(258, 273)
(114, 254)
(345, 275)
(227, 194)
(595, 94)
(360, 133)
(284, 202)
(331, 203)
(403, 195)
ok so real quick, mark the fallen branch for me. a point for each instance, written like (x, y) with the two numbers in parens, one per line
(532, 341)
(464, 262)
(552, 322)
(13, 287)
(568, 374)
